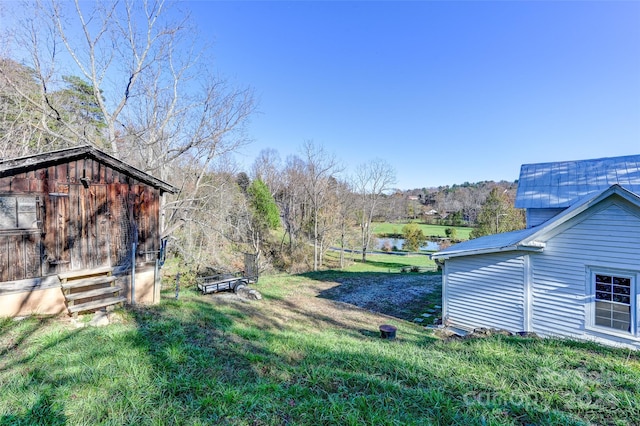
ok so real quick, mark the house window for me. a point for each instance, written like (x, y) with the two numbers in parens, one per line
(18, 212)
(613, 302)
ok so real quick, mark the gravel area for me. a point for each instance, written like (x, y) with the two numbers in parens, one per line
(399, 295)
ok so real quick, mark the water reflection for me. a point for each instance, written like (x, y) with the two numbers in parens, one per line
(399, 242)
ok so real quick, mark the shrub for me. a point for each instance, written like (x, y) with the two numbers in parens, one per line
(451, 233)
(413, 237)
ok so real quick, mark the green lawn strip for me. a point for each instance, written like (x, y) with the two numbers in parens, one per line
(391, 228)
(191, 362)
(378, 262)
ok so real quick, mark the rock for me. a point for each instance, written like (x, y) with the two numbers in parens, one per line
(427, 315)
(255, 295)
(418, 319)
(249, 293)
(488, 332)
(100, 319)
(447, 334)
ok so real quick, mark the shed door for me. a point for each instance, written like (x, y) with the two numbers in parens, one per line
(82, 239)
(57, 247)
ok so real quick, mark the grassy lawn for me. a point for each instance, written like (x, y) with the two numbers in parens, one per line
(299, 358)
(462, 232)
(378, 262)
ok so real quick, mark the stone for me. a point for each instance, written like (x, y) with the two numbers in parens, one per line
(255, 295)
(427, 315)
(249, 293)
(100, 319)
(418, 319)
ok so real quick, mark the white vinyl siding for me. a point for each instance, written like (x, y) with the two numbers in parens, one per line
(485, 291)
(537, 216)
(562, 291)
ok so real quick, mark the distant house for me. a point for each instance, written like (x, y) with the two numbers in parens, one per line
(79, 230)
(575, 270)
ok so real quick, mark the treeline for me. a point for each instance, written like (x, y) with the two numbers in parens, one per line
(455, 205)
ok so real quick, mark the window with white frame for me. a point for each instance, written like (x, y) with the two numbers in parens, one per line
(614, 304)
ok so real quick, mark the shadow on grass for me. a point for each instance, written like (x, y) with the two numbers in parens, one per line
(204, 360)
(35, 360)
(42, 412)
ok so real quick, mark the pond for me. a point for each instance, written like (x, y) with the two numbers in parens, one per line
(398, 242)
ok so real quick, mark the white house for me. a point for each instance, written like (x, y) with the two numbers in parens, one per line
(575, 270)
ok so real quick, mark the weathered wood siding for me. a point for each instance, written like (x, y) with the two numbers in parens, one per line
(89, 216)
(485, 291)
(19, 255)
(609, 238)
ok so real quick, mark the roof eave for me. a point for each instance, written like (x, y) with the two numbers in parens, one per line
(534, 247)
(39, 160)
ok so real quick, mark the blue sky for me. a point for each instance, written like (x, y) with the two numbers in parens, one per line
(446, 92)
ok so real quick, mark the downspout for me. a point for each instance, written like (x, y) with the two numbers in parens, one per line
(445, 300)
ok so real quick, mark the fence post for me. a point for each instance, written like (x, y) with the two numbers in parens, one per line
(177, 285)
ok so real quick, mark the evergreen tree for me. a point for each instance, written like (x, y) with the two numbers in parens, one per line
(265, 210)
(498, 215)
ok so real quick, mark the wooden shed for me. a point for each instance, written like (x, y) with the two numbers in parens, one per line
(79, 230)
(574, 272)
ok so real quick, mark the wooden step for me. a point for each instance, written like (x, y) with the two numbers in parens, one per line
(92, 293)
(86, 282)
(85, 273)
(74, 309)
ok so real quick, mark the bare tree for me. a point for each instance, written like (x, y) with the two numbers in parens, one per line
(320, 168)
(346, 217)
(268, 168)
(162, 107)
(293, 202)
(18, 118)
(370, 182)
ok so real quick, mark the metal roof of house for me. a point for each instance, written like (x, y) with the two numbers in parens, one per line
(486, 244)
(525, 239)
(506, 241)
(560, 184)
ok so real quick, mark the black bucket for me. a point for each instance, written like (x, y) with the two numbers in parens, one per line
(388, 332)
